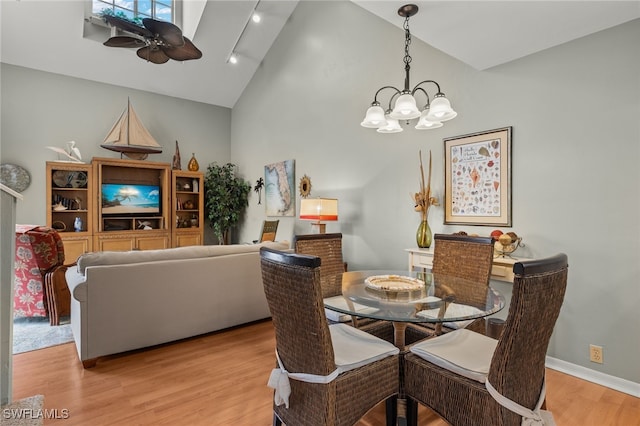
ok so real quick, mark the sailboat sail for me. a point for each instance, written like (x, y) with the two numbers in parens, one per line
(129, 136)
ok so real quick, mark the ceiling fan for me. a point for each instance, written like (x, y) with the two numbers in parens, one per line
(158, 41)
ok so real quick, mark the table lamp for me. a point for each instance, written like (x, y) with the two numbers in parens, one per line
(319, 209)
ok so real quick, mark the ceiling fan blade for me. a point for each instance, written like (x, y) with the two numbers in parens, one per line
(150, 54)
(183, 53)
(169, 33)
(128, 26)
(124, 41)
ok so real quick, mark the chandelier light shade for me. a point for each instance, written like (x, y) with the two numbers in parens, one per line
(440, 109)
(405, 108)
(424, 123)
(318, 210)
(436, 109)
(374, 118)
(392, 126)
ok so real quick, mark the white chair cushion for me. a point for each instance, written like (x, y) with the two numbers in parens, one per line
(462, 351)
(354, 348)
(341, 302)
(453, 310)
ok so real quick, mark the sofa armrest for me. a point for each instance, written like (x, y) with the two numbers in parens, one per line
(77, 284)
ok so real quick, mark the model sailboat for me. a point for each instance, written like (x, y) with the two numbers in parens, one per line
(129, 137)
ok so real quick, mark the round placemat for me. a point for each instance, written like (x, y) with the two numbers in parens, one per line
(393, 283)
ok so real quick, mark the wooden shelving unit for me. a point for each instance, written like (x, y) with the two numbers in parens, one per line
(69, 200)
(187, 219)
(116, 229)
(82, 191)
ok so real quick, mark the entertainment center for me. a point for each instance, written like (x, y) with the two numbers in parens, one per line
(119, 205)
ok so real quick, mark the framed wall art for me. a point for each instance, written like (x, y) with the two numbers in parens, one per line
(478, 178)
(280, 199)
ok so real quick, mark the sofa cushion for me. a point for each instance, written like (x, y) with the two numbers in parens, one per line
(190, 252)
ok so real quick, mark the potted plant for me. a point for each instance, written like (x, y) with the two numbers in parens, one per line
(226, 196)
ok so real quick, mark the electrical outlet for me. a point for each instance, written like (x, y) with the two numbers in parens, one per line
(595, 354)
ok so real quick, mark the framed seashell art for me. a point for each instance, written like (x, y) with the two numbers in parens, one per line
(477, 182)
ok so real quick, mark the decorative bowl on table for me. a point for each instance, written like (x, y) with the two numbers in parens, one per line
(394, 287)
(505, 247)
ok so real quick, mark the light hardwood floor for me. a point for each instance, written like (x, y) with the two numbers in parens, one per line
(220, 379)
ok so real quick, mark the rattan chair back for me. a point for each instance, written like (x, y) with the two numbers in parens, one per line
(463, 256)
(269, 229)
(460, 256)
(292, 286)
(327, 247)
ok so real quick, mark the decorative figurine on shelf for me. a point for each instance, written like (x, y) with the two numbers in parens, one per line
(193, 163)
(72, 153)
(176, 165)
(258, 189)
(144, 224)
(77, 224)
(58, 207)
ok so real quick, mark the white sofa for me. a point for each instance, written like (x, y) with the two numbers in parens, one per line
(122, 301)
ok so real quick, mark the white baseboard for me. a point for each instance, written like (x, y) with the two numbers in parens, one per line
(587, 374)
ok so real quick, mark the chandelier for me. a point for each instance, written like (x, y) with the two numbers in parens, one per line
(435, 110)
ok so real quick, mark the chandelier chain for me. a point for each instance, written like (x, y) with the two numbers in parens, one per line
(407, 42)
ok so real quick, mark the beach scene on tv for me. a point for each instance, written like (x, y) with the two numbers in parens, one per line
(130, 199)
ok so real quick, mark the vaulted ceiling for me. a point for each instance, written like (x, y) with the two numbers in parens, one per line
(54, 36)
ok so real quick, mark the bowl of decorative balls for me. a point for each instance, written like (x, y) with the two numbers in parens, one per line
(505, 243)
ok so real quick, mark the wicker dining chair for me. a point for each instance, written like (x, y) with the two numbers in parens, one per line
(269, 229)
(352, 370)
(460, 256)
(449, 373)
(328, 247)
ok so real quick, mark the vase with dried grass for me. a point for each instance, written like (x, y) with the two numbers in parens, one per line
(423, 200)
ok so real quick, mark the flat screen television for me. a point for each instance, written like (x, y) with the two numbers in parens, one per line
(130, 199)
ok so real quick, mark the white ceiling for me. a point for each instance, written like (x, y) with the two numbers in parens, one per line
(50, 36)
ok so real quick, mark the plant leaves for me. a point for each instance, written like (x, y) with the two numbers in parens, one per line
(226, 196)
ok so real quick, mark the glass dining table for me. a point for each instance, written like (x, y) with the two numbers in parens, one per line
(405, 297)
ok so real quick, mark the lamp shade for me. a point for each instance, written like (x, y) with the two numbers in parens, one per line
(440, 109)
(374, 117)
(392, 126)
(424, 123)
(405, 108)
(427, 125)
(319, 209)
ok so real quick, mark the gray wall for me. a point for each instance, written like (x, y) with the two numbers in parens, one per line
(575, 114)
(42, 109)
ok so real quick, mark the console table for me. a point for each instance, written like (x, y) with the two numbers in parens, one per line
(502, 269)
